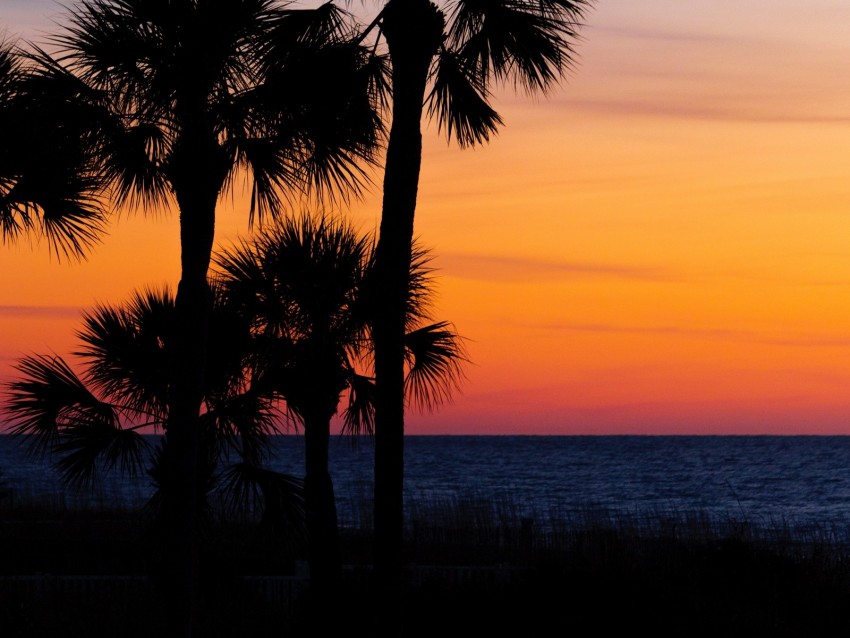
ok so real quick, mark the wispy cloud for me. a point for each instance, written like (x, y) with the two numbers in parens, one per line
(660, 35)
(30, 18)
(518, 269)
(674, 65)
(39, 312)
(796, 340)
(678, 108)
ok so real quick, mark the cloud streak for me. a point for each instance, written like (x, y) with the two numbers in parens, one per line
(715, 71)
(522, 269)
(658, 35)
(712, 334)
(39, 312)
(700, 111)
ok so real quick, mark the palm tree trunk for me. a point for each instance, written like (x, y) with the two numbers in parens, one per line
(183, 491)
(413, 29)
(323, 555)
(320, 505)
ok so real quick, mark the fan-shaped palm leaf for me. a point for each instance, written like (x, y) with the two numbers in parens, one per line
(359, 414)
(127, 350)
(315, 27)
(86, 447)
(47, 397)
(278, 496)
(529, 41)
(420, 296)
(53, 411)
(435, 356)
(459, 106)
(242, 424)
(47, 184)
(332, 129)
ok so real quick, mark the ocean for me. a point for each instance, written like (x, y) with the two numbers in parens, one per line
(788, 480)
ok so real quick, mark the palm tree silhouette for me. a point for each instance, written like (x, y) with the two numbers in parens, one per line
(291, 319)
(95, 421)
(308, 286)
(46, 183)
(460, 48)
(180, 98)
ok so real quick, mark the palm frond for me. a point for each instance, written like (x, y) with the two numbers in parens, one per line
(435, 356)
(49, 184)
(48, 397)
(240, 486)
(71, 222)
(277, 175)
(128, 350)
(420, 295)
(376, 69)
(331, 124)
(300, 278)
(461, 107)
(104, 41)
(359, 415)
(137, 155)
(227, 368)
(9, 68)
(278, 496)
(529, 42)
(88, 446)
(316, 26)
(243, 422)
(236, 264)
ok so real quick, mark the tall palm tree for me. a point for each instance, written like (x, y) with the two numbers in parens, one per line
(445, 59)
(308, 286)
(47, 186)
(180, 97)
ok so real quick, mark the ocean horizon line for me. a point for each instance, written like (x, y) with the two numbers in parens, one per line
(366, 437)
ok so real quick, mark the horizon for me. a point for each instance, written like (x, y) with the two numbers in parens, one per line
(339, 435)
(659, 248)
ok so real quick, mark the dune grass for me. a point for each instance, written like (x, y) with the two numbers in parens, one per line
(474, 566)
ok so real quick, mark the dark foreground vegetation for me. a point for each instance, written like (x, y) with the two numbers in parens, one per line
(472, 568)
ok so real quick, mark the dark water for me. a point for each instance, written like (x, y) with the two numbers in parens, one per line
(800, 480)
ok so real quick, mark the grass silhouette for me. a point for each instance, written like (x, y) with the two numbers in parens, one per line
(472, 567)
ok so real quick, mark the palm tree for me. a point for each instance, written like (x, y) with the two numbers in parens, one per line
(180, 97)
(46, 185)
(95, 421)
(308, 285)
(460, 48)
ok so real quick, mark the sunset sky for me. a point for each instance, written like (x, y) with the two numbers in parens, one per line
(662, 246)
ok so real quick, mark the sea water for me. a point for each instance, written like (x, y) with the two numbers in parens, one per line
(801, 480)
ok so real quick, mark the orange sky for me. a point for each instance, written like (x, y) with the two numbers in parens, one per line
(662, 246)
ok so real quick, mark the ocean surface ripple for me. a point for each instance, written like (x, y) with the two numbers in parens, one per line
(795, 480)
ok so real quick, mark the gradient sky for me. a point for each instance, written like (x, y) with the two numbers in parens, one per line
(660, 246)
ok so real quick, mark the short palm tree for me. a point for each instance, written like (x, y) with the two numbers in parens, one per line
(95, 420)
(308, 286)
(179, 97)
(445, 59)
